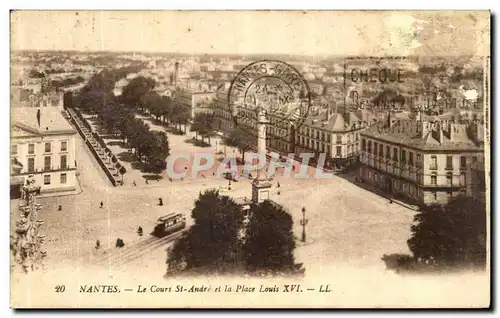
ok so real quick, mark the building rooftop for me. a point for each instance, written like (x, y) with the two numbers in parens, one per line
(409, 133)
(25, 119)
(336, 121)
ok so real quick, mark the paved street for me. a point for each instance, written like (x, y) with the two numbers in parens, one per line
(347, 225)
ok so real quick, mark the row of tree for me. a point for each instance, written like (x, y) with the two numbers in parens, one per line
(220, 242)
(118, 117)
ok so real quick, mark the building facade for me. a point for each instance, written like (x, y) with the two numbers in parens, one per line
(195, 101)
(43, 145)
(426, 163)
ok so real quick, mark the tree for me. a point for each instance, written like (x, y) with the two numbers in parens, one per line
(203, 124)
(179, 115)
(451, 235)
(122, 171)
(133, 92)
(154, 103)
(269, 242)
(240, 139)
(68, 100)
(212, 244)
(36, 74)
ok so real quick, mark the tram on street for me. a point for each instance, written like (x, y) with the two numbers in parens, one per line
(169, 224)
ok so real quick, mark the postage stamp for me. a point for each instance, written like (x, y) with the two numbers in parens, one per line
(273, 88)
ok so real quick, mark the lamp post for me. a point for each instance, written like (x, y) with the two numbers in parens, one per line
(26, 243)
(304, 222)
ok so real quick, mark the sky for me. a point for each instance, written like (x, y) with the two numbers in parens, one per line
(321, 33)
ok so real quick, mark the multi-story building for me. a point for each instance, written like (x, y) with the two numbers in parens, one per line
(336, 134)
(424, 162)
(42, 145)
(195, 101)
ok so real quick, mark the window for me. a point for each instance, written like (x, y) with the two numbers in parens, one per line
(357, 136)
(449, 179)
(64, 162)
(381, 150)
(338, 150)
(13, 150)
(64, 146)
(369, 146)
(339, 139)
(433, 163)
(449, 162)
(434, 195)
(31, 149)
(463, 161)
(474, 159)
(410, 160)
(462, 178)
(47, 163)
(403, 156)
(31, 164)
(388, 152)
(395, 154)
(47, 147)
(375, 148)
(64, 178)
(433, 180)
(363, 144)
(419, 159)
(46, 179)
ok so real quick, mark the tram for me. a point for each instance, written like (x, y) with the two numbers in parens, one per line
(169, 224)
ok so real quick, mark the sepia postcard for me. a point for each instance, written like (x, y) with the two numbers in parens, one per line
(250, 159)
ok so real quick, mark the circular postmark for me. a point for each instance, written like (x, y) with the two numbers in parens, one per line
(271, 92)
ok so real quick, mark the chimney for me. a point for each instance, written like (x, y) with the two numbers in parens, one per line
(441, 137)
(38, 117)
(176, 73)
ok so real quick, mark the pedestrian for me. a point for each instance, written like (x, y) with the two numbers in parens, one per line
(160, 201)
(139, 231)
(119, 243)
(134, 183)
(59, 208)
(97, 244)
(147, 182)
(279, 184)
(101, 205)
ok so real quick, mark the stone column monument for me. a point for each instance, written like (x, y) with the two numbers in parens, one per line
(260, 185)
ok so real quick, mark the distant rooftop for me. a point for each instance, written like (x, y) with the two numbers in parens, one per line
(51, 121)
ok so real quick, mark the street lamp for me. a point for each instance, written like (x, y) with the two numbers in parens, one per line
(304, 222)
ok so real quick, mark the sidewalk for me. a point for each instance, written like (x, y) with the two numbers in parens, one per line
(373, 189)
(78, 190)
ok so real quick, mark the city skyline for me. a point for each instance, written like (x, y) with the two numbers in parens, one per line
(316, 33)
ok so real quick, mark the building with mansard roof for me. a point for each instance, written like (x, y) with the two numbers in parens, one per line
(42, 145)
(423, 160)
